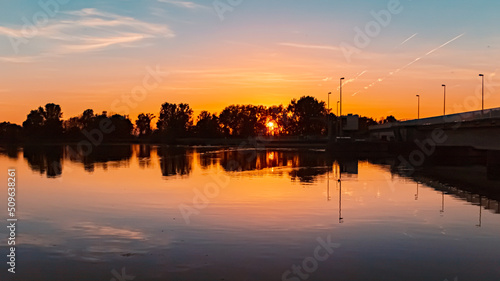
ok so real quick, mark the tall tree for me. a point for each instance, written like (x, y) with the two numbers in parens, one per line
(53, 123)
(307, 116)
(243, 120)
(44, 122)
(175, 120)
(207, 125)
(143, 124)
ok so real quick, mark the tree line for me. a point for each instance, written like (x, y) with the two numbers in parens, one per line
(303, 117)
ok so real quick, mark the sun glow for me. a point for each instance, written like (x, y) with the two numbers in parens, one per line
(272, 127)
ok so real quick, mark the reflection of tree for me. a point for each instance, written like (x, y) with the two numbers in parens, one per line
(307, 165)
(118, 154)
(308, 174)
(46, 159)
(207, 159)
(11, 151)
(174, 161)
(144, 156)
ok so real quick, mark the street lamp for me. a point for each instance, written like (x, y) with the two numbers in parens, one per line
(328, 116)
(329, 93)
(444, 104)
(482, 94)
(418, 111)
(341, 105)
(338, 108)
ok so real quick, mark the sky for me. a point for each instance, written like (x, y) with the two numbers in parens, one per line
(129, 57)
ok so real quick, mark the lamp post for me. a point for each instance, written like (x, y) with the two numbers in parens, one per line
(444, 104)
(328, 116)
(340, 124)
(482, 93)
(418, 110)
(338, 108)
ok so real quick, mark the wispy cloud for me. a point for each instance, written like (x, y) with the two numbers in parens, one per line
(19, 59)
(305, 46)
(86, 30)
(183, 4)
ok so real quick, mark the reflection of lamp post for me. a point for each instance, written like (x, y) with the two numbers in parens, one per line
(480, 210)
(418, 110)
(341, 105)
(341, 219)
(482, 94)
(442, 204)
(416, 195)
(328, 185)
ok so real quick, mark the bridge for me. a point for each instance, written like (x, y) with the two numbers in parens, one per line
(477, 129)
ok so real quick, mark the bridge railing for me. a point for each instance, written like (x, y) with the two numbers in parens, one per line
(450, 118)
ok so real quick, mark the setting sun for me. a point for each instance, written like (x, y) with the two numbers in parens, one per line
(272, 127)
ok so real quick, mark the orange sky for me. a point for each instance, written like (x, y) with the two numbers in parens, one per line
(93, 56)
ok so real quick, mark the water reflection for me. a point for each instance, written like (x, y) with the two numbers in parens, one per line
(303, 166)
(143, 155)
(11, 151)
(121, 208)
(104, 156)
(175, 161)
(45, 160)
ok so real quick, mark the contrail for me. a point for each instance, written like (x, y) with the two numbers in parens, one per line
(430, 52)
(352, 79)
(408, 39)
(412, 62)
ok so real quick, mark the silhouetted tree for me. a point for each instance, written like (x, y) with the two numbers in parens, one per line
(365, 123)
(388, 119)
(278, 114)
(87, 118)
(44, 123)
(143, 124)
(207, 125)
(307, 116)
(34, 122)
(53, 123)
(243, 120)
(175, 120)
(10, 132)
(122, 128)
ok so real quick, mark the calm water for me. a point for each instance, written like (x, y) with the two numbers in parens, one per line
(157, 213)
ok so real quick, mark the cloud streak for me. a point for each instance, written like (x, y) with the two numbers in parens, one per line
(83, 31)
(183, 4)
(304, 46)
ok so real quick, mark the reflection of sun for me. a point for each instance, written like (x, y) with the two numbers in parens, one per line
(272, 127)
(270, 156)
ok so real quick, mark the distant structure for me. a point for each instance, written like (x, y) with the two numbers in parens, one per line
(351, 122)
(479, 129)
